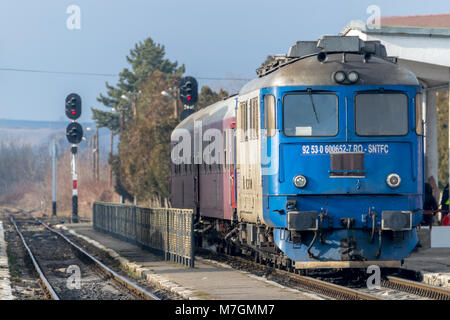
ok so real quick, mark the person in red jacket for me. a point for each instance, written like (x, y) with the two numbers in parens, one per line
(446, 221)
(445, 206)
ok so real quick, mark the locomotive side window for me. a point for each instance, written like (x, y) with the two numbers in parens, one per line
(310, 114)
(381, 114)
(249, 132)
(419, 124)
(269, 115)
(254, 118)
(243, 120)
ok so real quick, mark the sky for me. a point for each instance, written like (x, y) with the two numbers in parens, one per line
(214, 39)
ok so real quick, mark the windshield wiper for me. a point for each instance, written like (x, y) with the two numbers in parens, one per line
(312, 103)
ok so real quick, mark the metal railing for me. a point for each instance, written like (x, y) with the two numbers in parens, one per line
(166, 231)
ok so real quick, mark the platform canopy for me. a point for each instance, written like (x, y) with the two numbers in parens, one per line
(422, 44)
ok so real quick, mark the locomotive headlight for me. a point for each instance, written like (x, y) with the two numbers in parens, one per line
(353, 76)
(393, 180)
(299, 181)
(339, 76)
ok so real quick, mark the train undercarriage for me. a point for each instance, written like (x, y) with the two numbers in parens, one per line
(241, 238)
(257, 242)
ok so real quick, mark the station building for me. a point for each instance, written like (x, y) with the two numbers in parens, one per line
(422, 44)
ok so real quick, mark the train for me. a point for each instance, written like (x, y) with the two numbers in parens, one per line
(316, 163)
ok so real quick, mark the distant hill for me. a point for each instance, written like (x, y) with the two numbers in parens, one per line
(29, 124)
(39, 132)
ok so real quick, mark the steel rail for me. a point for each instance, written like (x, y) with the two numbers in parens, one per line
(136, 289)
(328, 289)
(321, 287)
(417, 288)
(141, 292)
(44, 282)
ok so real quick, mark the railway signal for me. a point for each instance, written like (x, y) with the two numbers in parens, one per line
(74, 133)
(188, 91)
(73, 106)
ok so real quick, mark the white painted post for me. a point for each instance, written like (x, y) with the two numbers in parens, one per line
(53, 151)
(424, 118)
(449, 135)
(74, 151)
(431, 146)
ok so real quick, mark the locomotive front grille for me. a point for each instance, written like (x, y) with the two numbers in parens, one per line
(347, 164)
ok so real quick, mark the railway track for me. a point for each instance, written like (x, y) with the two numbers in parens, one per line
(52, 253)
(391, 287)
(310, 284)
(326, 288)
(416, 288)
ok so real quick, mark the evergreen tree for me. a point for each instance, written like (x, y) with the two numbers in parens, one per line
(145, 146)
(207, 97)
(142, 166)
(146, 57)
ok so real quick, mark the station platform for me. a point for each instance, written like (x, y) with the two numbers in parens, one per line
(207, 280)
(432, 258)
(5, 283)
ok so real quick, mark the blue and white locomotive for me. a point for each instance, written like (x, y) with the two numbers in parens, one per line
(326, 166)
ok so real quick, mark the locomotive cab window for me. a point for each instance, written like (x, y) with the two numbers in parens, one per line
(419, 123)
(269, 115)
(310, 114)
(381, 114)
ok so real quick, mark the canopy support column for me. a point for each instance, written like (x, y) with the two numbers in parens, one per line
(431, 145)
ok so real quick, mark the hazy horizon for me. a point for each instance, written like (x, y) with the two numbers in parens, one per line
(215, 40)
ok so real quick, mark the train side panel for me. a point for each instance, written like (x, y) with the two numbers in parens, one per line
(248, 165)
(206, 183)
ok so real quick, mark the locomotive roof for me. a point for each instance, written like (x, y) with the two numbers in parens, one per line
(314, 63)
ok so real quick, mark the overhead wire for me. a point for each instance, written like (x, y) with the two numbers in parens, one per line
(102, 74)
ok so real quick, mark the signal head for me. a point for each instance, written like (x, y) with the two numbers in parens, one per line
(73, 106)
(188, 91)
(74, 132)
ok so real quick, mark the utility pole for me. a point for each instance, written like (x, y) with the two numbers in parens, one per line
(175, 112)
(110, 159)
(97, 157)
(132, 99)
(174, 97)
(122, 120)
(53, 152)
(89, 151)
(120, 109)
(94, 162)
